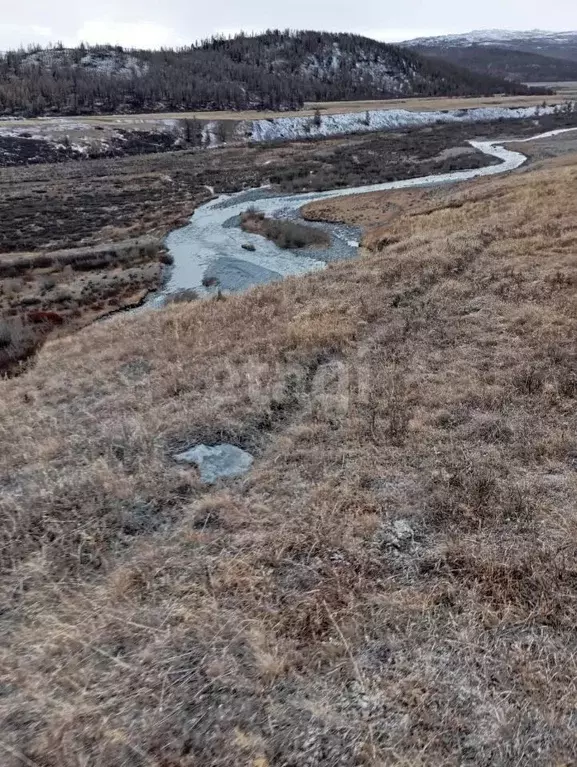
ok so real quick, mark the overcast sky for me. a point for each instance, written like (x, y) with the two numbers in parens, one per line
(150, 23)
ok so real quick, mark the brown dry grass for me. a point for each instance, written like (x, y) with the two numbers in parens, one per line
(434, 102)
(374, 209)
(285, 619)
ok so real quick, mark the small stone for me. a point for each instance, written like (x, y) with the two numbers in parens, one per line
(402, 530)
(217, 461)
(399, 535)
(135, 370)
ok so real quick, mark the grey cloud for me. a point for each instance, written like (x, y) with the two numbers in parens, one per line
(182, 21)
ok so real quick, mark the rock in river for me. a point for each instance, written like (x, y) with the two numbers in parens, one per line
(217, 461)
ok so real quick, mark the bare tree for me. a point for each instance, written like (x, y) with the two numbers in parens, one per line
(192, 131)
(224, 130)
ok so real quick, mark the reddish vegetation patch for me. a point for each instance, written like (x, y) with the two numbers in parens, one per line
(52, 318)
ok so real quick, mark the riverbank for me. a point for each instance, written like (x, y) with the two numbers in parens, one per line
(406, 533)
(375, 211)
(47, 294)
(215, 249)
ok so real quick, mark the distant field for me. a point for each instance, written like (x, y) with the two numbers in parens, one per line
(433, 103)
(329, 107)
(566, 90)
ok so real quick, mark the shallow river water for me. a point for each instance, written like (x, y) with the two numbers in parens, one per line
(210, 246)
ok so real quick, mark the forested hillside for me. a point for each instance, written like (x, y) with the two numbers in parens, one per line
(275, 70)
(505, 62)
(534, 56)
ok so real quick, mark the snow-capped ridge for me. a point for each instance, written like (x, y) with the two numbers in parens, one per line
(494, 37)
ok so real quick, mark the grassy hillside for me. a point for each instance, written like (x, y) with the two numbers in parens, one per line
(394, 582)
(276, 70)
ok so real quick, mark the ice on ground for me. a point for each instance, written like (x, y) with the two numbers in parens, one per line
(383, 119)
(217, 462)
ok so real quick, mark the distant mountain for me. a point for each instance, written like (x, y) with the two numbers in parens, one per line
(531, 37)
(530, 56)
(275, 70)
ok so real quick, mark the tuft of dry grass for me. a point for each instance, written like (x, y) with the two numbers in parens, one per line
(285, 234)
(394, 581)
(17, 342)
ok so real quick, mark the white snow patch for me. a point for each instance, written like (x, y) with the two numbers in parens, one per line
(107, 62)
(115, 64)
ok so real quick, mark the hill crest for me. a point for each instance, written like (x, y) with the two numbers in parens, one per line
(275, 70)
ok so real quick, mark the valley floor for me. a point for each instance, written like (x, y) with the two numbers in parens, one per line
(394, 582)
(136, 121)
(70, 233)
(56, 220)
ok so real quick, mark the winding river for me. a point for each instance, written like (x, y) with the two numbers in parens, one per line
(210, 248)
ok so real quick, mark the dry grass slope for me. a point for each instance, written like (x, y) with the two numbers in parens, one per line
(395, 581)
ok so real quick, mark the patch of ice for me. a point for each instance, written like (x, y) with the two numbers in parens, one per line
(287, 128)
(217, 462)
